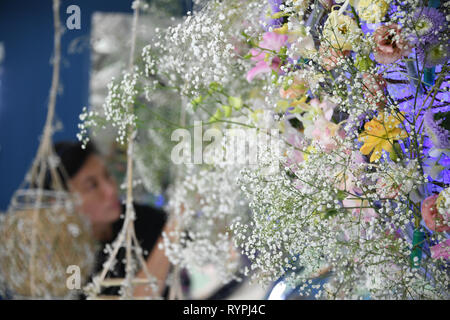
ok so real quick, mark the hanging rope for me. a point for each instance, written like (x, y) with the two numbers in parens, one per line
(45, 147)
(127, 236)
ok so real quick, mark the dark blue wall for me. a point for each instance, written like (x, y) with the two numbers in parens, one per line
(26, 30)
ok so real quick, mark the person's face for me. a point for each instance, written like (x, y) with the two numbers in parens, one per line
(98, 191)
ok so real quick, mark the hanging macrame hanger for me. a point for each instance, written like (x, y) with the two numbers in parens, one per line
(127, 236)
(45, 150)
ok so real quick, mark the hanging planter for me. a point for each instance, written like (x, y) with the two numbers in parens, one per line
(42, 236)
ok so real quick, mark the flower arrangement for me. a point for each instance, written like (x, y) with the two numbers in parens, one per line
(354, 97)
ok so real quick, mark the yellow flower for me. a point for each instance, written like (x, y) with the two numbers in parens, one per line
(379, 134)
(372, 11)
(340, 31)
(342, 2)
(282, 30)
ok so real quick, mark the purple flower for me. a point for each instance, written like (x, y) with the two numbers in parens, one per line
(434, 54)
(272, 8)
(438, 135)
(275, 5)
(430, 36)
(429, 23)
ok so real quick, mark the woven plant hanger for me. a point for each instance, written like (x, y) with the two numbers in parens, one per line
(127, 236)
(41, 235)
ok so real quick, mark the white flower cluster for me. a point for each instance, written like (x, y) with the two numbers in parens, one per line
(332, 209)
(301, 228)
(201, 50)
(88, 120)
(119, 104)
(118, 109)
(344, 106)
(206, 205)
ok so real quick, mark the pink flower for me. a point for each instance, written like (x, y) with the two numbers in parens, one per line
(271, 41)
(390, 46)
(441, 250)
(297, 89)
(263, 67)
(386, 189)
(329, 57)
(326, 106)
(326, 132)
(295, 156)
(374, 89)
(431, 216)
(365, 213)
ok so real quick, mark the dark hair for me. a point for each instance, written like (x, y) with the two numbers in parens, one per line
(72, 157)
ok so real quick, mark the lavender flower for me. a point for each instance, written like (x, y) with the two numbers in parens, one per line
(432, 41)
(272, 8)
(434, 54)
(438, 135)
(429, 22)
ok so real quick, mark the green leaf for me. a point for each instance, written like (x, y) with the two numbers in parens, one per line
(217, 116)
(279, 15)
(396, 152)
(341, 195)
(235, 102)
(196, 102)
(285, 83)
(214, 86)
(329, 213)
(227, 111)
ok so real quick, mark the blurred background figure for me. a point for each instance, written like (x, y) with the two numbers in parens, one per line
(98, 199)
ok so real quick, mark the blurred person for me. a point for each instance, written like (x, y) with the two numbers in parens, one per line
(90, 180)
